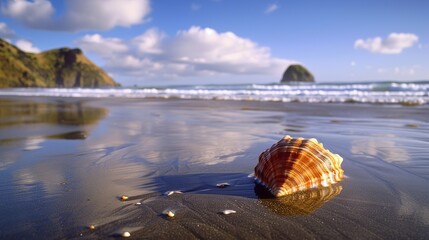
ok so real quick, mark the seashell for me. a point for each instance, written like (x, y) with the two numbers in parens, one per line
(223, 185)
(168, 193)
(124, 198)
(297, 164)
(226, 212)
(126, 234)
(138, 203)
(91, 227)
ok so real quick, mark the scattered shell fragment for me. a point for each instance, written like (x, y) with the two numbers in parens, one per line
(138, 203)
(91, 227)
(226, 212)
(297, 164)
(124, 198)
(170, 214)
(168, 193)
(126, 234)
(223, 185)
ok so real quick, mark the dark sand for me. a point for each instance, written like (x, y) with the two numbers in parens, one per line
(64, 163)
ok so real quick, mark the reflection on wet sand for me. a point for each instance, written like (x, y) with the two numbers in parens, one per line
(383, 146)
(14, 113)
(109, 159)
(301, 203)
(37, 166)
(33, 143)
(178, 138)
(141, 149)
(75, 135)
(28, 125)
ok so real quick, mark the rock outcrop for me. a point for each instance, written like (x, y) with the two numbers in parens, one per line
(297, 73)
(62, 67)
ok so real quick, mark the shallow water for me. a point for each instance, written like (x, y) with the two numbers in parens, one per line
(64, 163)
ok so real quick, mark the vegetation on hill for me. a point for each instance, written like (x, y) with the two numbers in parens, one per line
(62, 67)
(297, 73)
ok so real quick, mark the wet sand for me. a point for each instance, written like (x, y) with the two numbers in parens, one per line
(64, 163)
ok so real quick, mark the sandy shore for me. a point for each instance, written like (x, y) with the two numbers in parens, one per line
(65, 163)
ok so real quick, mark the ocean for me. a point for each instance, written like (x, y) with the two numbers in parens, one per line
(406, 93)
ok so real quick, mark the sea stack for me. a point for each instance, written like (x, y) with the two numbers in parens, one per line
(297, 73)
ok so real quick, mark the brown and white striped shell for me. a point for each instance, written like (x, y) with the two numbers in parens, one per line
(297, 164)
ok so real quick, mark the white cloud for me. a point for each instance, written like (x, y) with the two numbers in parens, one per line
(106, 47)
(352, 63)
(393, 44)
(105, 14)
(193, 52)
(30, 13)
(206, 49)
(6, 32)
(79, 14)
(26, 46)
(150, 41)
(271, 8)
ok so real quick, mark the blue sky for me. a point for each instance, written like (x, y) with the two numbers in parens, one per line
(159, 42)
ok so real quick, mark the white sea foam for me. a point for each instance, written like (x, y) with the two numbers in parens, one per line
(395, 93)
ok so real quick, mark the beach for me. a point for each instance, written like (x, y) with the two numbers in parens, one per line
(65, 162)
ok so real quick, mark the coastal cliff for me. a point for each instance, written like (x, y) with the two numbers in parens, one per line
(297, 73)
(62, 67)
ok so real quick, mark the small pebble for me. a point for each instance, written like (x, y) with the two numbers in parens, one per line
(138, 203)
(126, 234)
(170, 214)
(223, 185)
(91, 227)
(124, 198)
(226, 212)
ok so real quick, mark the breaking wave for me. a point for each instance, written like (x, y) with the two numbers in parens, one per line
(409, 93)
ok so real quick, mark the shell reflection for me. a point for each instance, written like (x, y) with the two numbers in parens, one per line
(300, 203)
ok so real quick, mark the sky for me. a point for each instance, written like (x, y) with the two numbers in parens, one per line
(165, 42)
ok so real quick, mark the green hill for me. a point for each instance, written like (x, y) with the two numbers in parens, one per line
(62, 67)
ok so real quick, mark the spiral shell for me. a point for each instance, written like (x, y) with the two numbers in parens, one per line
(297, 164)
